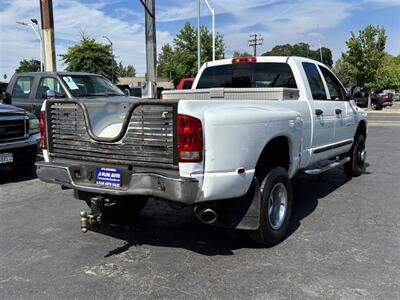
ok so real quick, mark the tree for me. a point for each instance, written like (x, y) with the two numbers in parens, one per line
(90, 56)
(128, 71)
(240, 54)
(388, 74)
(364, 55)
(25, 65)
(341, 70)
(179, 60)
(303, 50)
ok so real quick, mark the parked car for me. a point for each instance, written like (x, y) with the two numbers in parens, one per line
(396, 95)
(380, 100)
(228, 147)
(29, 90)
(185, 84)
(19, 139)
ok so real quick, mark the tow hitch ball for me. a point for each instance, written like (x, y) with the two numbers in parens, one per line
(94, 218)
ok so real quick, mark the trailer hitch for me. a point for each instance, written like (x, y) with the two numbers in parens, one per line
(95, 216)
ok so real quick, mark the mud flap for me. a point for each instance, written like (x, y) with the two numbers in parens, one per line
(242, 212)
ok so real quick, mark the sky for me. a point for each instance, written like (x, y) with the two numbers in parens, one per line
(316, 22)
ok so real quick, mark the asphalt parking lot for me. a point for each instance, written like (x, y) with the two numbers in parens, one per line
(344, 242)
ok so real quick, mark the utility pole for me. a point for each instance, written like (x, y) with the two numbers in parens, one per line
(254, 41)
(46, 11)
(150, 89)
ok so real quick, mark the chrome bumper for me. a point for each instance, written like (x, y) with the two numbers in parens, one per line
(34, 139)
(183, 190)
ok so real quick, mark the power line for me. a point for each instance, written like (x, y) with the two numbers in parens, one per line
(254, 41)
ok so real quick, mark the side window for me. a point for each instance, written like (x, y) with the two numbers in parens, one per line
(315, 81)
(334, 87)
(49, 83)
(22, 88)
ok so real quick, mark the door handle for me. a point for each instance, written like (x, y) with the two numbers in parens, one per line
(338, 111)
(319, 112)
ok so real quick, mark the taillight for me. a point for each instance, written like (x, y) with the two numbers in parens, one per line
(43, 135)
(190, 139)
(244, 60)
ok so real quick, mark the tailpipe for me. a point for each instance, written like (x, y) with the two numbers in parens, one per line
(205, 214)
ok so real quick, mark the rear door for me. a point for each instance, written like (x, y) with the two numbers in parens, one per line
(21, 92)
(323, 112)
(345, 114)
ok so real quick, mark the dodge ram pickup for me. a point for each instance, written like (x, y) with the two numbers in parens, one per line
(228, 147)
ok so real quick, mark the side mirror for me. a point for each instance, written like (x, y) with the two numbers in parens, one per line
(50, 94)
(6, 98)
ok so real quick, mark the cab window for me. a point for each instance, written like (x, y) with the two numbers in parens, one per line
(22, 88)
(334, 87)
(315, 81)
(248, 75)
(49, 83)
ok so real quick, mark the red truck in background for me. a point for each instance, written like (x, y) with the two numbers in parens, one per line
(185, 84)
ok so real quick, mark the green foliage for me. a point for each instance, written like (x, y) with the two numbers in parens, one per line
(25, 65)
(90, 56)
(179, 60)
(388, 74)
(303, 50)
(342, 71)
(364, 55)
(241, 54)
(128, 71)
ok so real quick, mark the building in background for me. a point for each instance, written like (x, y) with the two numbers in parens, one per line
(135, 82)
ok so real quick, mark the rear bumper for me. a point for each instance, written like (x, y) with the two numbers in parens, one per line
(179, 189)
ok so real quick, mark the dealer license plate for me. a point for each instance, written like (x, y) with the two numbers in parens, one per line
(6, 158)
(108, 177)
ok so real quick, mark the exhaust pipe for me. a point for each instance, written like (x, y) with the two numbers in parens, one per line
(205, 214)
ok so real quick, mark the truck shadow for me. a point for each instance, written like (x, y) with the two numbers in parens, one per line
(161, 226)
(7, 176)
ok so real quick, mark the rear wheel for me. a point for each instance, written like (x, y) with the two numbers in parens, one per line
(358, 155)
(376, 106)
(276, 208)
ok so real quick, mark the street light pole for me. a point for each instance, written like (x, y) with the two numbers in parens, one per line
(198, 37)
(212, 10)
(39, 37)
(112, 64)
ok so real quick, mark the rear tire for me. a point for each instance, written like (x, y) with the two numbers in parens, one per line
(276, 208)
(355, 167)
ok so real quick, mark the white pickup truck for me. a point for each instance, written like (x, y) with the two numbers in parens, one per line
(228, 147)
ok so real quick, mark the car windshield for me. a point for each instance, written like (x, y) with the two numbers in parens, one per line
(91, 86)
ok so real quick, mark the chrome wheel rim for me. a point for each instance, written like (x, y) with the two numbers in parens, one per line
(277, 206)
(361, 154)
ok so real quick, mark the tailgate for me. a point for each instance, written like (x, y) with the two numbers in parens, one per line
(147, 135)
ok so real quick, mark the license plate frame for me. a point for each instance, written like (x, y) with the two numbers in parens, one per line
(109, 177)
(6, 158)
